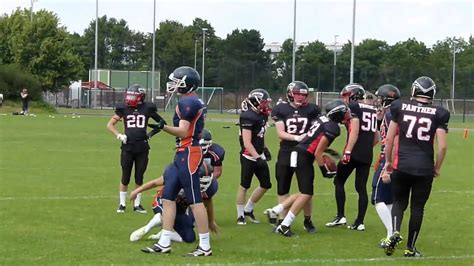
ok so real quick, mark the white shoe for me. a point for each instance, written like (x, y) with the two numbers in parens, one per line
(337, 221)
(155, 236)
(138, 234)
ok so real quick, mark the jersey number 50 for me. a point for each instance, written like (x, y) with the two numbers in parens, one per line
(135, 121)
(369, 121)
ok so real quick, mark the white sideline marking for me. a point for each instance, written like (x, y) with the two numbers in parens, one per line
(381, 259)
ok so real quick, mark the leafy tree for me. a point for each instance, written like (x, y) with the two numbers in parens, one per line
(13, 78)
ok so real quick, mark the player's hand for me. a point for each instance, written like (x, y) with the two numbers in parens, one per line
(268, 155)
(299, 138)
(436, 172)
(159, 125)
(326, 172)
(133, 196)
(386, 173)
(122, 138)
(213, 227)
(260, 161)
(346, 158)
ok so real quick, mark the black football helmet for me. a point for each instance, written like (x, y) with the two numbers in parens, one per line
(206, 140)
(423, 87)
(258, 100)
(354, 91)
(183, 80)
(387, 93)
(297, 93)
(134, 95)
(337, 111)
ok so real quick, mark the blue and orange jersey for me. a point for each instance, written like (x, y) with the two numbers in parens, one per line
(192, 109)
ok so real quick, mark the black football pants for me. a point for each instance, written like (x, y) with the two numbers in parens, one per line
(127, 159)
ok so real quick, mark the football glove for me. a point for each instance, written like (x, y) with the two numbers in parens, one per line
(326, 173)
(122, 138)
(205, 182)
(346, 157)
(268, 155)
(159, 125)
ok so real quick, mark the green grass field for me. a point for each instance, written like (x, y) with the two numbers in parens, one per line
(59, 191)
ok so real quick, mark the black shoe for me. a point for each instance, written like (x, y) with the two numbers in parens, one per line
(198, 252)
(156, 248)
(271, 215)
(251, 216)
(393, 242)
(412, 253)
(284, 230)
(139, 209)
(309, 226)
(241, 220)
(120, 209)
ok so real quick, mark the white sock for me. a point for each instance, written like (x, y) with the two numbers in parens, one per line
(155, 221)
(123, 197)
(165, 239)
(138, 200)
(278, 209)
(386, 216)
(290, 217)
(204, 241)
(240, 211)
(249, 206)
(176, 237)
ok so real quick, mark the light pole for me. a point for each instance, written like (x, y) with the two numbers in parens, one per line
(31, 10)
(195, 52)
(203, 53)
(96, 44)
(335, 60)
(454, 71)
(153, 57)
(294, 43)
(352, 44)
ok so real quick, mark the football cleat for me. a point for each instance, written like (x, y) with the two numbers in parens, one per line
(271, 215)
(309, 226)
(412, 253)
(284, 230)
(120, 209)
(199, 252)
(139, 209)
(251, 216)
(138, 234)
(357, 227)
(241, 220)
(337, 221)
(393, 242)
(384, 242)
(156, 248)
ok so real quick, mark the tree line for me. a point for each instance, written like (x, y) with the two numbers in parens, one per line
(42, 55)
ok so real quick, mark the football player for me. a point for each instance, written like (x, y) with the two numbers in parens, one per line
(253, 120)
(292, 121)
(188, 122)
(135, 113)
(362, 135)
(184, 222)
(382, 197)
(321, 134)
(418, 123)
(213, 153)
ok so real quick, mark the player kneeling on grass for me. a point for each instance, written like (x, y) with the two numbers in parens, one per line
(184, 221)
(320, 136)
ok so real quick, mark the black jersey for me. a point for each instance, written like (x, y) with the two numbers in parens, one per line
(297, 120)
(135, 120)
(367, 115)
(256, 123)
(320, 127)
(417, 125)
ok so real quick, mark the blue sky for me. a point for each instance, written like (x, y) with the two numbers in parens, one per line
(392, 21)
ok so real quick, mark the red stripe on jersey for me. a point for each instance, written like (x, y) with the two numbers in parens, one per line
(314, 144)
(194, 158)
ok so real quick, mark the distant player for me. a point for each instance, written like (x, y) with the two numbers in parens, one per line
(418, 123)
(253, 120)
(188, 122)
(382, 197)
(292, 121)
(135, 113)
(321, 134)
(361, 136)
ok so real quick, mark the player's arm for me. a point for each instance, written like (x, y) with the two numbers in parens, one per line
(247, 139)
(217, 172)
(147, 186)
(376, 137)
(210, 216)
(389, 144)
(318, 154)
(353, 134)
(441, 135)
(181, 131)
(111, 124)
(283, 135)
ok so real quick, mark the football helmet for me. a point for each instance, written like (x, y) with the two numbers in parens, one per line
(353, 91)
(134, 95)
(423, 87)
(337, 111)
(297, 93)
(258, 100)
(387, 94)
(183, 80)
(206, 140)
(205, 175)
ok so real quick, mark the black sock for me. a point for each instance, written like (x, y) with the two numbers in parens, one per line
(307, 218)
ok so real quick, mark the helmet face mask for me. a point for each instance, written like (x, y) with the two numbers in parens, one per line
(205, 141)
(134, 96)
(259, 101)
(353, 92)
(337, 111)
(297, 93)
(183, 80)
